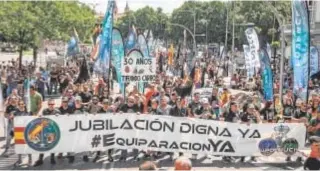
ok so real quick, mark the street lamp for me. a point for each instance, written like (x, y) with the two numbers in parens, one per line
(194, 27)
(206, 23)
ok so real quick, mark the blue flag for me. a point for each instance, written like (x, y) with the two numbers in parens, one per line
(300, 48)
(143, 46)
(266, 74)
(314, 60)
(101, 65)
(131, 39)
(118, 55)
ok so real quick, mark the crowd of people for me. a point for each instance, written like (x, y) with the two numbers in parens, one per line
(172, 95)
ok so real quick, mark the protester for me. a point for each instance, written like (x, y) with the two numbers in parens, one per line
(21, 111)
(250, 116)
(35, 101)
(51, 110)
(183, 164)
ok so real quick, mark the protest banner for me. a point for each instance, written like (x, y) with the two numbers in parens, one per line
(136, 68)
(89, 132)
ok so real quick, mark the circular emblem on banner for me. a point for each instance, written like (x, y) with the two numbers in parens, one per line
(290, 146)
(267, 146)
(42, 134)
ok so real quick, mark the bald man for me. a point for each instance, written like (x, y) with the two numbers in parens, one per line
(148, 165)
(182, 163)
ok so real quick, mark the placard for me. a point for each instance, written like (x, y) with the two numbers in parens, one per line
(136, 68)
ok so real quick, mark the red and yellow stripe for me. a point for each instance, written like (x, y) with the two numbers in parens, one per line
(19, 135)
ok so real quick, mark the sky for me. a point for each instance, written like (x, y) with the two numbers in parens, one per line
(167, 5)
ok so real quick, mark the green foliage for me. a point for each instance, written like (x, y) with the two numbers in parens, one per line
(143, 19)
(27, 23)
(275, 44)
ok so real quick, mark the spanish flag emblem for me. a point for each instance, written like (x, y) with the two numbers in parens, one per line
(19, 135)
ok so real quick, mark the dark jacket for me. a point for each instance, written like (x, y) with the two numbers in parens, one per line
(175, 111)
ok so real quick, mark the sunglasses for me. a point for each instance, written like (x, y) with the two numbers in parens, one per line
(173, 94)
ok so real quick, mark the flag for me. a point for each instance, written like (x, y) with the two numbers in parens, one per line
(269, 50)
(249, 61)
(170, 55)
(95, 50)
(117, 55)
(300, 48)
(266, 74)
(131, 39)
(102, 64)
(84, 73)
(143, 46)
(254, 46)
(72, 47)
(314, 60)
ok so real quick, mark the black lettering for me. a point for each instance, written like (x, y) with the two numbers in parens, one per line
(243, 133)
(214, 131)
(196, 146)
(128, 142)
(126, 125)
(108, 140)
(136, 124)
(225, 133)
(255, 134)
(85, 129)
(120, 141)
(187, 126)
(98, 125)
(163, 144)
(206, 147)
(75, 128)
(154, 124)
(215, 145)
(153, 144)
(201, 129)
(167, 126)
(174, 145)
(142, 142)
(184, 147)
(111, 125)
(227, 147)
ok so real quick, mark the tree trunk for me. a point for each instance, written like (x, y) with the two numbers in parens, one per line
(20, 56)
(35, 53)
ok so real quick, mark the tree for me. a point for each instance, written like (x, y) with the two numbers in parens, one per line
(28, 23)
(143, 19)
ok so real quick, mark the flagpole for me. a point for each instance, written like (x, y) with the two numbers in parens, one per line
(110, 52)
(308, 17)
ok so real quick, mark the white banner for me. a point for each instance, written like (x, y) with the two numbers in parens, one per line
(138, 69)
(249, 61)
(253, 41)
(79, 133)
